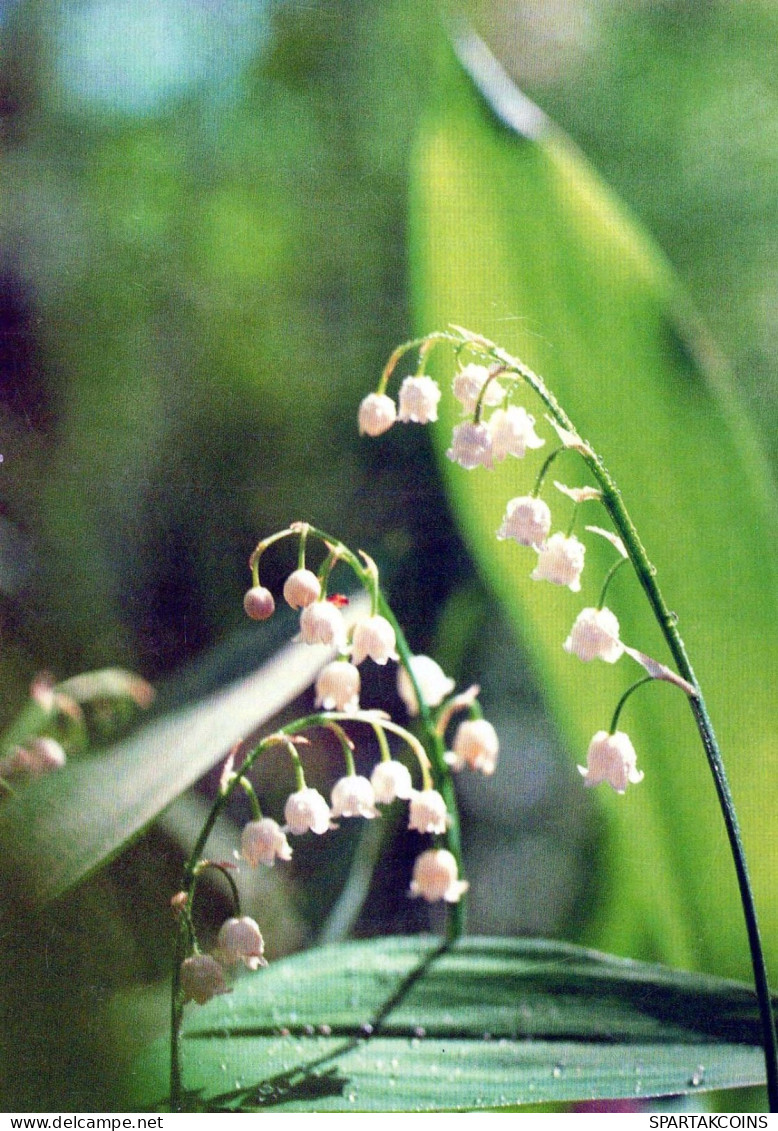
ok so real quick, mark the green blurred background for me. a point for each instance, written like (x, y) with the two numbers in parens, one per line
(204, 268)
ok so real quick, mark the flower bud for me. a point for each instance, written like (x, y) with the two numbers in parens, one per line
(419, 398)
(527, 520)
(323, 623)
(427, 812)
(377, 414)
(337, 687)
(471, 446)
(264, 842)
(435, 876)
(467, 387)
(37, 757)
(258, 603)
(611, 758)
(353, 796)
(373, 637)
(306, 811)
(433, 683)
(561, 562)
(513, 431)
(202, 978)
(390, 780)
(240, 940)
(302, 588)
(595, 636)
(476, 745)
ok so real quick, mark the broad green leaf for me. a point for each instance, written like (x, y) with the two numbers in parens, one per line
(515, 237)
(405, 1024)
(63, 827)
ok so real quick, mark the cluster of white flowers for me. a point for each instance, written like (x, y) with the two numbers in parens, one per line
(203, 975)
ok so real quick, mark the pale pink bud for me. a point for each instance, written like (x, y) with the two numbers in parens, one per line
(353, 796)
(419, 398)
(513, 431)
(307, 811)
(374, 637)
(391, 780)
(377, 414)
(467, 387)
(436, 876)
(427, 812)
(476, 746)
(432, 680)
(323, 623)
(611, 758)
(240, 940)
(471, 446)
(264, 842)
(258, 603)
(202, 978)
(39, 756)
(527, 520)
(595, 636)
(561, 562)
(337, 687)
(301, 588)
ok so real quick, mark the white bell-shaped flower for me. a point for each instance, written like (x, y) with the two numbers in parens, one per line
(527, 520)
(337, 687)
(373, 637)
(264, 842)
(513, 431)
(436, 876)
(611, 758)
(302, 588)
(353, 796)
(471, 446)
(377, 414)
(323, 623)
(202, 978)
(427, 812)
(418, 399)
(307, 811)
(433, 682)
(467, 387)
(561, 561)
(240, 940)
(476, 746)
(595, 636)
(391, 780)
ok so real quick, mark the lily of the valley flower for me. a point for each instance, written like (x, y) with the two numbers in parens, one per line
(427, 812)
(433, 682)
(240, 940)
(337, 687)
(37, 757)
(374, 637)
(471, 446)
(202, 978)
(611, 758)
(476, 746)
(353, 796)
(527, 520)
(595, 636)
(513, 431)
(258, 603)
(377, 414)
(264, 842)
(391, 780)
(467, 387)
(418, 399)
(561, 561)
(302, 588)
(436, 876)
(323, 623)
(307, 811)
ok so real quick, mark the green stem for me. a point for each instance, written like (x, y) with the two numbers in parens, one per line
(647, 575)
(623, 700)
(609, 576)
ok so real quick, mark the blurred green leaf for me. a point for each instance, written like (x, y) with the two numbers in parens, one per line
(63, 827)
(516, 237)
(403, 1024)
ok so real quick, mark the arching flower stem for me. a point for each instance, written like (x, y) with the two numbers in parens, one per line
(608, 578)
(623, 700)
